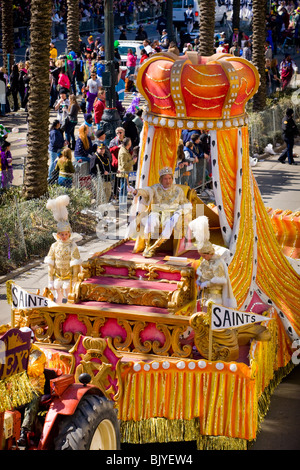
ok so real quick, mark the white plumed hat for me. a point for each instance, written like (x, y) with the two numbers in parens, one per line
(58, 207)
(200, 230)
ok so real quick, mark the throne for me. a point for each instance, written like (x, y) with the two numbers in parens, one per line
(180, 245)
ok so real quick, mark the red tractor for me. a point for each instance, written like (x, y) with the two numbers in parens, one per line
(71, 416)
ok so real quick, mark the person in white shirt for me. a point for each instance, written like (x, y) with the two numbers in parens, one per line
(189, 18)
(92, 87)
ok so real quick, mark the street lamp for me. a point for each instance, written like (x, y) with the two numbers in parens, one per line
(110, 118)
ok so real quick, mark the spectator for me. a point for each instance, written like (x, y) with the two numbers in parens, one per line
(125, 166)
(79, 76)
(130, 129)
(64, 80)
(130, 63)
(102, 166)
(114, 146)
(148, 47)
(61, 106)
(247, 53)
(191, 158)
(141, 33)
(22, 73)
(173, 48)
(100, 139)
(53, 51)
(99, 106)
(6, 169)
(123, 36)
(287, 68)
(144, 56)
(189, 18)
(56, 143)
(289, 130)
(65, 168)
(235, 49)
(83, 147)
(92, 87)
(91, 45)
(73, 110)
(138, 121)
(164, 40)
(275, 78)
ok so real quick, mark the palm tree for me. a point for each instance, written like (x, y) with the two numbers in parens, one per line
(36, 168)
(207, 27)
(258, 51)
(7, 32)
(73, 26)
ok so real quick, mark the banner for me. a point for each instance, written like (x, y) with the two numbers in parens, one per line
(222, 317)
(14, 352)
(20, 298)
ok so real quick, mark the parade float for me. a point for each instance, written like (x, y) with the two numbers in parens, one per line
(176, 368)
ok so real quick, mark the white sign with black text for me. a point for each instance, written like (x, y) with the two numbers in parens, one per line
(20, 298)
(224, 318)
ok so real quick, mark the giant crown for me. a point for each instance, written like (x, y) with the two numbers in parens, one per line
(193, 92)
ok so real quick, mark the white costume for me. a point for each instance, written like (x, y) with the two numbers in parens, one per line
(63, 258)
(212, 274)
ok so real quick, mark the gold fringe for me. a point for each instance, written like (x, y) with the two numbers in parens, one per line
(221, 443)
(159, 430)
(15, 391)
(162, 430)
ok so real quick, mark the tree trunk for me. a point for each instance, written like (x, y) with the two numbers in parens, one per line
(73, 26)
(207, 27)
(36, 168)
(258, 51)
(236, 14)
(7, 33)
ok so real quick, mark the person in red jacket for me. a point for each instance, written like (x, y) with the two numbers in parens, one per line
(99, 106)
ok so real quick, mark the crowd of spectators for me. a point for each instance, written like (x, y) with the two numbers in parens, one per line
(128, 10)
(76, 81)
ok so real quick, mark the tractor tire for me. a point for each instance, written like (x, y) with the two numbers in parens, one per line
(93, 426)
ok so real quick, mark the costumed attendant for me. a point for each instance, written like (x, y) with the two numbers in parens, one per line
(212, 274)
(63, 259)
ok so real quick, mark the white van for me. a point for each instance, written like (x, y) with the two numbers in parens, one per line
(180, 6)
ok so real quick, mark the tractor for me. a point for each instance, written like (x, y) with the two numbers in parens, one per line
(72, 415)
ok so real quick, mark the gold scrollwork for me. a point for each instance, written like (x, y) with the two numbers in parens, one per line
(224, 342)
(101, 370)
(179, 349)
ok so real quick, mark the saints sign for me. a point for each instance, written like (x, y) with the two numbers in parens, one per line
(224, 318)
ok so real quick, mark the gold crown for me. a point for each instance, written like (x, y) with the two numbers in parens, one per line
(194, 92)
(166, 171)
